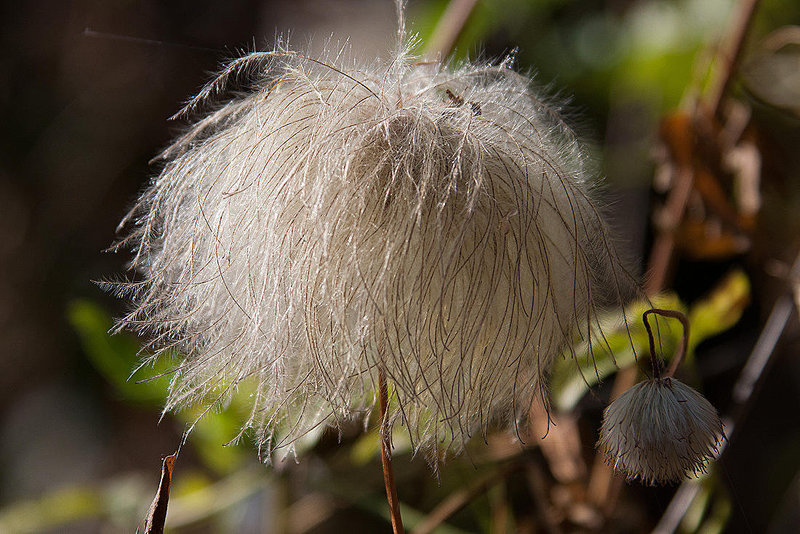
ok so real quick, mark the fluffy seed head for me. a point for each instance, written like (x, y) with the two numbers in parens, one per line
(660, 431)
(332, 219)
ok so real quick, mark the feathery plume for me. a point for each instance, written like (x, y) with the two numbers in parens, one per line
(331, 220)
(660, 431)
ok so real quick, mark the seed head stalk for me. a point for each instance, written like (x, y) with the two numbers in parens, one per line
(682, 349)
(386, 456)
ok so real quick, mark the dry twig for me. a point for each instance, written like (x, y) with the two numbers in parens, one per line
(458, 499)
(157, 516)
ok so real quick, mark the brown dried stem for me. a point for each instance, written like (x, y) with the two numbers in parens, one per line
(386, 457)
(537, 483)
(157, 516)
(731, 52)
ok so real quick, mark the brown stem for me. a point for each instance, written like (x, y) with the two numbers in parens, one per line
(386, 457)
(546, 514)
(678, 358)
(154, 523)
(730, 53)
(654, 361)
(677, 134)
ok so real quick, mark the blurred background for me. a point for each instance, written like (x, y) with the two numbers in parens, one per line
(87, 88)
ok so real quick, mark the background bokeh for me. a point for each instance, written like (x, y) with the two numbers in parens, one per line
(86, 88)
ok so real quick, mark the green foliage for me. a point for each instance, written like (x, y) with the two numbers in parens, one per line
(56, 508)
(115, 357)
(119, 500)
(646, 52)
(719, 310)
(710, 509)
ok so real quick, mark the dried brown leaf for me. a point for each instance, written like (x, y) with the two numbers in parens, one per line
(157, 516)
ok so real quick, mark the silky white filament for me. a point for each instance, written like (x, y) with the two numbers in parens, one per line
(660, 431)
(331, 219)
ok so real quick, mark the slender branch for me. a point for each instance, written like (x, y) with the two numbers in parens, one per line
(460, 498)
(676, 133)
(548, 519)
(654, 360)
(157, 516)
(684, 347)
(386, 457)
(449, 28)
(731, 52)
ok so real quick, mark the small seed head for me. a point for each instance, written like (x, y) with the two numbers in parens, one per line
(660, 431)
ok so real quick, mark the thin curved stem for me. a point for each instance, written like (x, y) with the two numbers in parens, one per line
(682, 349)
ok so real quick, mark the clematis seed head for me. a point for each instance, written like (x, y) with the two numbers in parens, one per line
(328, 219)
(660, 431)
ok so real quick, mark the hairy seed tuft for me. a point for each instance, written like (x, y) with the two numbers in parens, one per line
(332, 219)
(660, 431)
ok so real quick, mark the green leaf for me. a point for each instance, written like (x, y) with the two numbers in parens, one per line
(211, 439)
(368, 446)
(54, 509)
(720, 310)
(115, 357)
(719, 515)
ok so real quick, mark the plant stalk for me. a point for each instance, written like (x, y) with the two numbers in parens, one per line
(678, 358)
(386, 457)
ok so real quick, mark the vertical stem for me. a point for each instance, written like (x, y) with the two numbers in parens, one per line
(386, 457)
(678, 358)
(654, 361)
